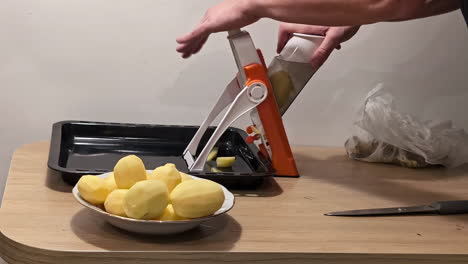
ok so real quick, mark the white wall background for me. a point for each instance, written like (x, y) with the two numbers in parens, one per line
(115, 60)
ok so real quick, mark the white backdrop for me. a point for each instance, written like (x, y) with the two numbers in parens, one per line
(115, 60)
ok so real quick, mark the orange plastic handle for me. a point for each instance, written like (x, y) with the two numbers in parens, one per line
(282, 158)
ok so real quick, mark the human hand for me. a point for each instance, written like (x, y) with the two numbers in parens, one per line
(228, 15)
(334, 36)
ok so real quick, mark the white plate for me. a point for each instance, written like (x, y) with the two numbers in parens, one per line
(154, 227)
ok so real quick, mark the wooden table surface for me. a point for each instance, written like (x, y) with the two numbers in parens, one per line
(282, 222)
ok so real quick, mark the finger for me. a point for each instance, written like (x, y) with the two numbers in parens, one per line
(323, 51)
(194, 48)
(200, 45)
(182, 47)
(187, 51)
(186, 48)
(202, 30)
(283, 37)
(190, 50)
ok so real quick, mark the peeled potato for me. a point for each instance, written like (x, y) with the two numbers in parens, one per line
(146, 200)
(282, 87)
(128, 171)
(114, 202)
(110, 182)
(213, 154)
(170, 215)
(197, 198)
(225, 162)
(256, 130)
(93, 189)
(216, 170)
(168, 174)
(185, 177)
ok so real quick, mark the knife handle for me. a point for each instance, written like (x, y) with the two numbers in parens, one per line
(452, 207)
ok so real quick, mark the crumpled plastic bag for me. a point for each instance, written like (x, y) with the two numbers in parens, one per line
(382, 134)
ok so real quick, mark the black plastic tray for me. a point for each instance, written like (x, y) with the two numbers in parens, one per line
(79, 147)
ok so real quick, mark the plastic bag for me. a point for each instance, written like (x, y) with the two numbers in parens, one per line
(382, 134)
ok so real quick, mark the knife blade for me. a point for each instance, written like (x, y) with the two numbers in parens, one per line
(442, 207)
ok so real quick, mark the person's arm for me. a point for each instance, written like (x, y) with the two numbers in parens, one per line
(433, 8)
(334, 36)
(350, 12)
(232, 14)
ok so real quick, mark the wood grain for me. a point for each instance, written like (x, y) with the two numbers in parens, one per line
(281, 222)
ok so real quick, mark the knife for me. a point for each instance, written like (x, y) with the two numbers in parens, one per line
(442, 208)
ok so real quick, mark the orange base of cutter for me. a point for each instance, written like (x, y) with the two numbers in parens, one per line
(282, 158)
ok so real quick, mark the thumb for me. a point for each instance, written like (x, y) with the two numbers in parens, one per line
(283, 38)
(322, 53)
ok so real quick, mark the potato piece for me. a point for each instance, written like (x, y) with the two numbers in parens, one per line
(146, 200)
(225, 162)
(93, 189)
(110, 182)
(168, 174)
(114, 202)
(197, 198)
(256, 130)
(128, 171)
(282, 87)
(185, 177)
(170, 215)
(216, 170)
(213, 154)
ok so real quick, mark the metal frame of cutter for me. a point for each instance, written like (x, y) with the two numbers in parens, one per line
(250, 91)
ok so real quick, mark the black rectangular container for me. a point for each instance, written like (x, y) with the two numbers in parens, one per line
(78, 148)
